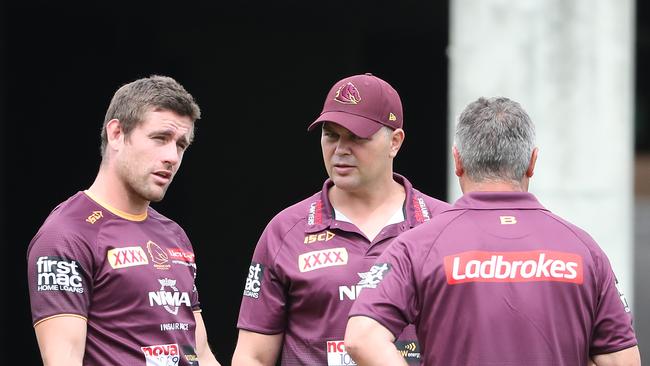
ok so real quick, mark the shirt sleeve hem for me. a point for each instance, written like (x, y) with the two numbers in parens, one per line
(260, 331)
(60, 315)
(621, 347)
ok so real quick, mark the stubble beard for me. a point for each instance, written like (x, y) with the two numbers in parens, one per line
(139, 185)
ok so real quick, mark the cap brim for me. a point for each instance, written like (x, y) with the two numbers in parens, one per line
(360, 126)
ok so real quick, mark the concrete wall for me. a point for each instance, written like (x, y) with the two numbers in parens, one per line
(570, 64)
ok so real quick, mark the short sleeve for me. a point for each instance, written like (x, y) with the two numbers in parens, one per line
(263, 306)
(613, 321)
(390, 296)
(59, 265)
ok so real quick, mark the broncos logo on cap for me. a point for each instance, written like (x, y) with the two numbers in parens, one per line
(348, 94)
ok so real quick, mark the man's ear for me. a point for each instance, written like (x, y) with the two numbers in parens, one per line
(114, 133)
(396, 141)
(458, 164)
(531, 164)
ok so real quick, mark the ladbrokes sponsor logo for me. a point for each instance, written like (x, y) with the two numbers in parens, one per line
(179, 254)
(158, 256)
(161, 355)
(324, 236)
(322, 258)
(368, 279)
(336, 354)
(94, 217)
(537, 265)
(421, 211)
(59, 274)
(126, 257)
(315, 213)
(170, 300)
(410, 350)
(254, 280)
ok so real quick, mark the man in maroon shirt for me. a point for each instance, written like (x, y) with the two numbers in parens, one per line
(314, 257)
(111, 281)
(497, 279)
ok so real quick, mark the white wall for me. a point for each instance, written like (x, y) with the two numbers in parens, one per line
(570, 64)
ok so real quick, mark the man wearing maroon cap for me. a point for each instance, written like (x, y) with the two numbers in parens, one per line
(314, 257)
(497, 279)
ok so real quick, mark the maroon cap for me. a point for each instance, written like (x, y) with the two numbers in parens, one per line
(362, 104)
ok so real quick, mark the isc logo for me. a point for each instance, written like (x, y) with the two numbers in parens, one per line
(326, 236)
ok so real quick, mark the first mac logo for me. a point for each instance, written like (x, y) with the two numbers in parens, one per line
(59, 274)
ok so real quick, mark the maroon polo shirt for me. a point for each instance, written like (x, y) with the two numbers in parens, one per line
(308, 268)
(500, 280)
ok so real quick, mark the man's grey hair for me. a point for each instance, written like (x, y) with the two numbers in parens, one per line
(495, 139)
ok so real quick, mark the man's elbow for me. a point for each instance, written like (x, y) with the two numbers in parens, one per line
(353, 339)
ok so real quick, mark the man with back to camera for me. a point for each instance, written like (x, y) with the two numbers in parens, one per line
(111, 280)
(497, 279)
(314, 257)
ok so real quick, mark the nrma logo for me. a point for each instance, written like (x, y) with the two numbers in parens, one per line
(170, 300)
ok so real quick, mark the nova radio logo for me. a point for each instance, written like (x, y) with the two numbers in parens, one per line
(537, 265)
(337, 355)
(161, 355)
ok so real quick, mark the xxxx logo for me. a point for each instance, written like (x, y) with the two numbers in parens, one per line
(126, 257)
(322, 258)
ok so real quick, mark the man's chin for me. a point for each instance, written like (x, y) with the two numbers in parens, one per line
(157, 195)
(345, 183)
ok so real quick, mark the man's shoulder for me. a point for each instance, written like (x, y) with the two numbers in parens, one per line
(75, 211)
(74, 219)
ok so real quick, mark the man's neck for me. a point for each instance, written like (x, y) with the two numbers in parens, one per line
(112, 191)
(371, 210)
(468, 185)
